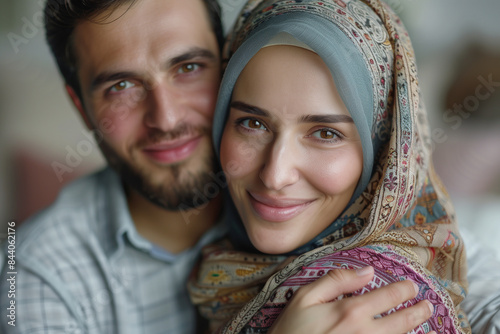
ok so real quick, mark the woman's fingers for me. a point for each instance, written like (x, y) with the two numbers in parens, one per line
(332, 285)
(407, 319)
(338, 282)
(383, 299)
(387, 297)
(312, 311)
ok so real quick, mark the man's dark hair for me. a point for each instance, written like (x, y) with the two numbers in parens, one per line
(62, 16)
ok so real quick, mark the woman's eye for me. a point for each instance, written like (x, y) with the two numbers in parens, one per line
(186, 68)
(122, 85)
(253, 124)
(326, 134)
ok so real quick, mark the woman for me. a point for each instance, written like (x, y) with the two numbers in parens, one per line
(322, 136)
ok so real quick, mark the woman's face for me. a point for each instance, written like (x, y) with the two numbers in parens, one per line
(290, 149)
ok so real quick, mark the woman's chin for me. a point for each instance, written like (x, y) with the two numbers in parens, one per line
(274, 247)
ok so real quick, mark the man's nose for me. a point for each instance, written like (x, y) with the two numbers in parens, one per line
(165, 107)
(280, 170)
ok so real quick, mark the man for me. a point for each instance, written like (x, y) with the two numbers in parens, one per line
(113, 253)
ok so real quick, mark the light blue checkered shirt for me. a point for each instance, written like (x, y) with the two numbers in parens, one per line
(83, 268)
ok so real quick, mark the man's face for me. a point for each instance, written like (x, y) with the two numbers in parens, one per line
(149, 78)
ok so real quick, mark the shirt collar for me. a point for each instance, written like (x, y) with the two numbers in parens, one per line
(123, 231)
(117, 213)
(217, 231)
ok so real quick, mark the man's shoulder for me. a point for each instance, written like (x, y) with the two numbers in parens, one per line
(69, 222)
(60, 254)
(80, 194)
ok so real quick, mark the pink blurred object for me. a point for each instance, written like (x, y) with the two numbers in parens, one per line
(35, 183)
(469, 162)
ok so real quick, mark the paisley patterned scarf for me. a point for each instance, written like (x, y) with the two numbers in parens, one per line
(400, 220)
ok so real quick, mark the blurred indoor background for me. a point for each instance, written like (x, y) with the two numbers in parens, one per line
(457, 43)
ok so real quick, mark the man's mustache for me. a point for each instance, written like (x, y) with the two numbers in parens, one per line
(184, 130)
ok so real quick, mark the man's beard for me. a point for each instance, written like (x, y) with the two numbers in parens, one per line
(186, 185)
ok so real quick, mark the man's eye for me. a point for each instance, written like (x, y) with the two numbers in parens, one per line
(186, 68)
(253, 124)
(122, 85)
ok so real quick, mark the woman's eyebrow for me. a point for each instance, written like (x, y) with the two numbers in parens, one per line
(249, 109)
(332, 118)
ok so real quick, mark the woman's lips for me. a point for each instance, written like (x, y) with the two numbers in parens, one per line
(172, 152)
(277, 209)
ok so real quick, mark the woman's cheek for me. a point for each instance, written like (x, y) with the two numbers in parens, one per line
(231, 156)
(238, 154)
(338, 172)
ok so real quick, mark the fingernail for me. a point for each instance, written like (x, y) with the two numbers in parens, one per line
(415, 286)
(364, 271)
(431, 307)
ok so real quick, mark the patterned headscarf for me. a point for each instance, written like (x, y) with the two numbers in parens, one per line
(400, 219)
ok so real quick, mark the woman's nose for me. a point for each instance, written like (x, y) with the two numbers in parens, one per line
(280, 169)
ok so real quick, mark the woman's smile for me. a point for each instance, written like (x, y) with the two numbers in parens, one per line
(277, 209)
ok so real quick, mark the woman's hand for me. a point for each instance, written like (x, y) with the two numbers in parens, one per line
(310, 310)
